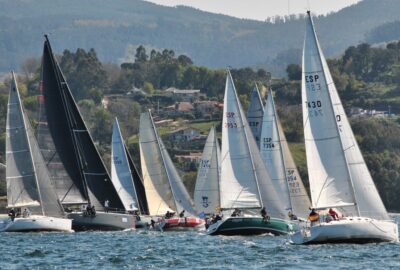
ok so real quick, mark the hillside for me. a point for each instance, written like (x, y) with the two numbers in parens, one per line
(115, 28)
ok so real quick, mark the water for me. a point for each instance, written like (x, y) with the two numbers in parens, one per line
(183, 250)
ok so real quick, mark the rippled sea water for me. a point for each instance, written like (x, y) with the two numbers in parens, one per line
(184, 250)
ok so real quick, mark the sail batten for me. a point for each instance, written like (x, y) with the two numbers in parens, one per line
(337, 171)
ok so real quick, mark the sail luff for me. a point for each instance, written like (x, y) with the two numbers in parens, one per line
(329, 176)
(121, 174)
(20, 171)
(368, 201)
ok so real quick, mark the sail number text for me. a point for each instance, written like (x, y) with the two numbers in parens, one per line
(312, 82)
(230, 120)
(267, 143)
(314, 108)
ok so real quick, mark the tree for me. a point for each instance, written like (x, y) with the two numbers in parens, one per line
(141, 55)
(293, 72)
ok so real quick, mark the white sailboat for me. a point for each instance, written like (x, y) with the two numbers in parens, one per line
(255, 114)
(206, 191)
(125, 178)
(28, 183)
(244, 184)
(338, 175)
(165, 191)
(276, 155)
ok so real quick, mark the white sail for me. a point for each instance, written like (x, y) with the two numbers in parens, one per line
(279, 162)
(121, 174)
(245, 182)
(365, 193)
(328, 134)
(206, 192)
(255, 114)
(164, 188)
(28, 181)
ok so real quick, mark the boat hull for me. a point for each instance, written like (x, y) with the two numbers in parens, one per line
(349, 230)
(102, 221)
(185, 223)
(251, 226)
(36, 224)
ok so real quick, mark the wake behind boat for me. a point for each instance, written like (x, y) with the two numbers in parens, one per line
(338, 175)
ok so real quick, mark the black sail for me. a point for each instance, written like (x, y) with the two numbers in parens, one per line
(72, 139)
(139, 186)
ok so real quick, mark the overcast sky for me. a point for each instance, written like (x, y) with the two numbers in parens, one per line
(261, 9)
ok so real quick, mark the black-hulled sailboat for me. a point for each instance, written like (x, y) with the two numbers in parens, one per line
(29, 188)
(77, 170)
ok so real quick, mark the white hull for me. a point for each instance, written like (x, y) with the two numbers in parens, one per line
(348, 230)
(36, 223)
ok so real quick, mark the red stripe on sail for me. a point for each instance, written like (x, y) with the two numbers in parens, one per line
(41, 98)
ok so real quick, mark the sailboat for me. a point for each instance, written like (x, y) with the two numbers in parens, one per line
(75, 166)
(206, 191)
(245, 185)
(165, 191)
(276, 155)
(338, 176)
(126, 178)
(255, 114)
(29, 186)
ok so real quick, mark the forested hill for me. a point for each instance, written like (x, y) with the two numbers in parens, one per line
(115, 28)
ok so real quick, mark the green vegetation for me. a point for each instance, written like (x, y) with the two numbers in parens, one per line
(366, 77)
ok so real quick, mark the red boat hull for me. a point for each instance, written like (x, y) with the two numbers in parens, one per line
(184, 223)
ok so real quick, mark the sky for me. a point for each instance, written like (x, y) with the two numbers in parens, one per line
(261, 9)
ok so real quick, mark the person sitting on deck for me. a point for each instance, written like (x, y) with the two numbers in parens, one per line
(169, 214)
(106, 205)
(92, 211)
(236, 213)
(182, 214)
(26, 213)
(12, 214)
(333, 214)
(292, 216)
(264, 214)
(313, 216)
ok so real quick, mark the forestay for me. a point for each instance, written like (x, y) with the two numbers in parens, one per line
(255, 114)
(206, 192)
(356, 173)
(121, 175)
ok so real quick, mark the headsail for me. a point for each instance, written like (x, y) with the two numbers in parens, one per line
(72, 139)
(120, 171)
(279, 162)
(350, 180)
(28, 181)
(245, 182)
(255, 114)
(164, 188)
(206, 192)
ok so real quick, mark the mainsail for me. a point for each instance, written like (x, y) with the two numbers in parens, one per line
(121, 175)
(245, 182)
(71, 138)
(164, 188)
(337, 171)
(255, 114)
(279, 162)
(206, 192)
(28, 181)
